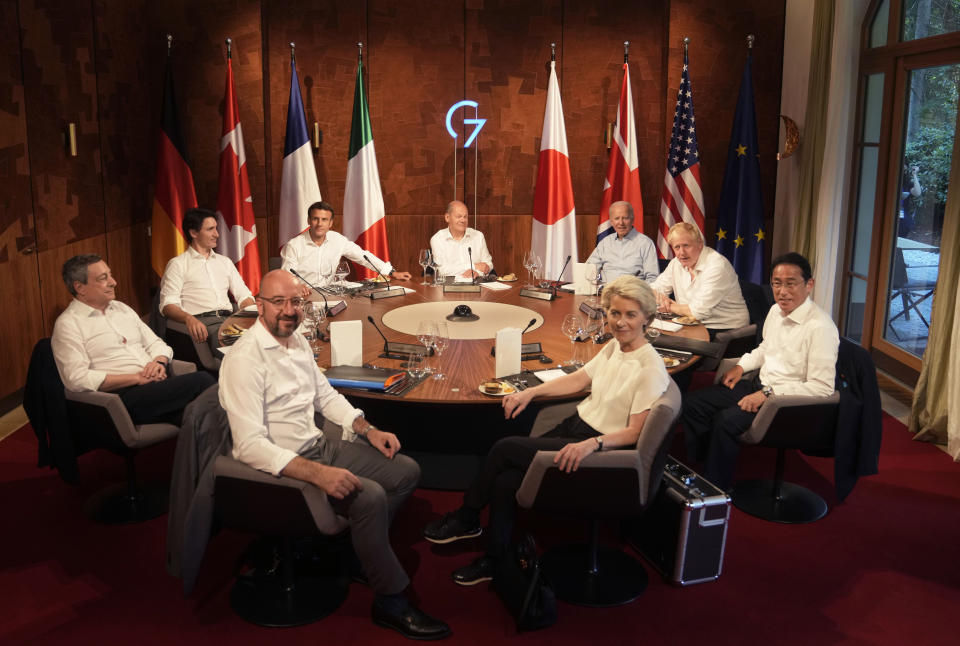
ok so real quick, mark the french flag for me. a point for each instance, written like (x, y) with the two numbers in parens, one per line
(298, 184)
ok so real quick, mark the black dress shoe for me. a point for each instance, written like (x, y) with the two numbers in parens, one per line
(478, 571)
(411, 622)
(451, 527)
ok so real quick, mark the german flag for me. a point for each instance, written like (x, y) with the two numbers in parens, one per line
(173, 192)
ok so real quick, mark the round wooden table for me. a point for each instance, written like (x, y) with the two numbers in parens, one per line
(448, 425)
(467, 364)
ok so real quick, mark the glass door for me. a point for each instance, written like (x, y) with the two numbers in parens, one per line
(915, 215)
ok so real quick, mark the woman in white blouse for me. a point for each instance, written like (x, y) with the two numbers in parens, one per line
(625, 379)
(703, 282)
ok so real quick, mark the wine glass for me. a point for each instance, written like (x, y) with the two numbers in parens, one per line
(343, 269)
(426, 332)
(572, 327)
(424, 261)
(536, 266)
(416, 366)
(591, 273)
(528, 265)
(438, 278)
(441, 340)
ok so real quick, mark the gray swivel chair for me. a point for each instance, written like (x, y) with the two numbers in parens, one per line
(613, 484)
(284, 509)
(104, 421)
(184, 346)
(786, 422)
(741, 340)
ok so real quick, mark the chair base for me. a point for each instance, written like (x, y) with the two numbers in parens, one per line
(262, 599)
(115, 505)
(795, 505)
(619, 578)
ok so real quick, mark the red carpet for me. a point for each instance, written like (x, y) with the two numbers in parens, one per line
(881, 568)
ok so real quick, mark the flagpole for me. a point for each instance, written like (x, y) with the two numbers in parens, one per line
(169, 44)
(229, 42)
(293, 52)
(626, 51)
(686, 46)
(750, 39)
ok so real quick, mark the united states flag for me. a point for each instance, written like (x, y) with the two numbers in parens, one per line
(682, 199)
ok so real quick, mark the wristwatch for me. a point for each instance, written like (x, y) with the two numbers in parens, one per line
(767, 391)
(599, 443)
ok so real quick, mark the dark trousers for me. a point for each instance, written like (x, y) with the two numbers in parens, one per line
(502, 473)
(164, 401)
(370, 510)
(712, 426)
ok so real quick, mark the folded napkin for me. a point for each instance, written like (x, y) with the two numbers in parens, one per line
(495, 286)
(668, 326)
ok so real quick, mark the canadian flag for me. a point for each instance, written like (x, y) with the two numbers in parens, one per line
(235, 222)
(623, 175)
(554, 216)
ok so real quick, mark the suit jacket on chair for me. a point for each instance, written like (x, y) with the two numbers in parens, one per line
(45, 405)
(859, 425)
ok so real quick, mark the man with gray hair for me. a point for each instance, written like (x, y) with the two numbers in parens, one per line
(455, 247)
(629, 252)
(101, 344)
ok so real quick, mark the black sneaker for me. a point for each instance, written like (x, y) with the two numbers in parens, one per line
(451, 527)
(477, 572)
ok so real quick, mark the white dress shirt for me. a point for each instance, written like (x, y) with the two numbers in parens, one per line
(622, 384)
(318, 263)
(713, 293)
(633, 255)
(199, 284)
(89, 344)
(270, 393)
(451, 255)
(798, 355)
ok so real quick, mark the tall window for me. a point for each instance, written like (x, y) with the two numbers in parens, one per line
(909, 85)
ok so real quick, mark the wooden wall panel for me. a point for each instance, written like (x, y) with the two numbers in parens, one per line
(53, 292)
(128, 249)
(717, 56)
(23, 325)
(590, 85)
(60, 87)
(507, 52)
(415, 74)
(326, 34)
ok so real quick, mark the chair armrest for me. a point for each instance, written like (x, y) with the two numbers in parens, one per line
(327, 521)
(178, 367)
(543, 462)
(744, 332)
(551, 415)
(726, 365)
(112, 403)
(177, 326)
(774, 404)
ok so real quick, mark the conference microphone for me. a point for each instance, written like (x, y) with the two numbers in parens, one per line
(395, 350)
(473, 277)
(560, 277)
(529, 325)
(527, 350)
(326, 306)
(388, 291)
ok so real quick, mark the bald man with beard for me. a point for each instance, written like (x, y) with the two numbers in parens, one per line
(270, 387)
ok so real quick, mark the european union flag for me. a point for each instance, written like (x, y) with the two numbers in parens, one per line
(740, 213)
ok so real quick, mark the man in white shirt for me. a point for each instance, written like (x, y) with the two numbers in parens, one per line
(315, 253)
(704, 283)
(628, 252)
(798, 356)
(101, 344)
(454, 247)
(270, 387)
(195, 285)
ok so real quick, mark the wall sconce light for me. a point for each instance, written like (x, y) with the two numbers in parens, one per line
(317, 135)
(72, 139)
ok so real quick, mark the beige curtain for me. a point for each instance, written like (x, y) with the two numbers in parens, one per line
(815, 131)
(938, 391)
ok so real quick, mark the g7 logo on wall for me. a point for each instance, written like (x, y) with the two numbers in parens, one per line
(478, 123)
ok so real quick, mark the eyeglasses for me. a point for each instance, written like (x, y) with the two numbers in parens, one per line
(790, 284)
(279, 302)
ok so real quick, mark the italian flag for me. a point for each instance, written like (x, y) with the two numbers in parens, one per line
(363, 211)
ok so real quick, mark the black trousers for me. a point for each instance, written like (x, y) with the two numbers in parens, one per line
(164, 401)
(712, 426)
(502, 473)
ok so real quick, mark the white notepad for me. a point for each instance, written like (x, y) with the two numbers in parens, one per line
(346, 343)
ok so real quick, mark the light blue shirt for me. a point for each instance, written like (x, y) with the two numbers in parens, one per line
(634, 255)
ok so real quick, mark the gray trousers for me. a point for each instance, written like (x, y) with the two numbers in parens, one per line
(386, 485)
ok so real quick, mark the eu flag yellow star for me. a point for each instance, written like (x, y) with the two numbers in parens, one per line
(760, 235)
(738, 241)
(721, 234)
(741, 150)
